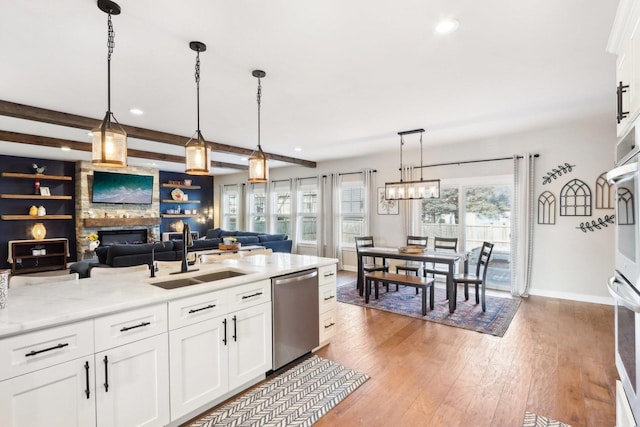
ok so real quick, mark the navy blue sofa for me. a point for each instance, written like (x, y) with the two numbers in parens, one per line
(128, 255)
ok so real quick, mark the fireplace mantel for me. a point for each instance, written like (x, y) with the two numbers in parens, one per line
(119, 222)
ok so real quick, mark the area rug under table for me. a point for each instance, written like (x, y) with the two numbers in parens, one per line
(534, 420)
(468, 314)
(297, 397)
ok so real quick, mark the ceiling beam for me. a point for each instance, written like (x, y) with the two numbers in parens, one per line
(21, 111)
(45, 141)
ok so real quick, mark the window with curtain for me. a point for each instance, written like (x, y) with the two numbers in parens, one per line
(257, 198)
(230, 207)
(281, 207)
(352, 208)
(308, 208)
(474, 210)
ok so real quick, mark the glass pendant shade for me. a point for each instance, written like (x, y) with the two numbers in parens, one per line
(409, 190)
(197, 156)
(258, 170)
(38, 231)
(109, 144)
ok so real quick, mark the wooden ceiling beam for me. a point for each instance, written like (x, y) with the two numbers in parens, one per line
(45, 141)
(21, 111)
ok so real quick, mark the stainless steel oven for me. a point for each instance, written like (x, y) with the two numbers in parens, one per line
(624, 285)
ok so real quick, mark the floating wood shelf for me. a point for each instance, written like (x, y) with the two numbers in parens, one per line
(33, 218)
(184, 202)
(179, 216)
(188, 187)
(36, 176)
(33, 197)
(115, 222)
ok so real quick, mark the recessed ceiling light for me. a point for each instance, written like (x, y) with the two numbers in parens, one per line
(243, 159)
(297, 149)
(136, 111)
(65, 148)
(446, 26)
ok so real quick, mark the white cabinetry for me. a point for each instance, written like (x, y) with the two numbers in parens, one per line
(132, 368)
(624, 415)
(218, 341)
(46, 378)
(624, 41)
(327, 302)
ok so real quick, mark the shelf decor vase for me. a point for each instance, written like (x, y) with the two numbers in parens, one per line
(42, 211)
(93, 245)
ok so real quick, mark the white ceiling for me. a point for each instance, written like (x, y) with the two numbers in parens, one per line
(342, 76)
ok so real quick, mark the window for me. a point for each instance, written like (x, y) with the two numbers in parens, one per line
(308, 205)
(257, 208)
(352, 209)
(474, 212)
(281, 212)
(230, 207)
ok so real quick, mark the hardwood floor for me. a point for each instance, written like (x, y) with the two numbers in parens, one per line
(556, 359)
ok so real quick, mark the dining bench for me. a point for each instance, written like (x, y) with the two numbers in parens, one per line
(385, 278)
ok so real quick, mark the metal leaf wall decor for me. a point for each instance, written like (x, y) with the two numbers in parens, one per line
(556, 172)
(597, 224)
(547, 208)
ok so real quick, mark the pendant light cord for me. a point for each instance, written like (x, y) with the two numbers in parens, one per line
(401, 170)
(110, 45)
(259, 97)
(420, 156)
(198, 91)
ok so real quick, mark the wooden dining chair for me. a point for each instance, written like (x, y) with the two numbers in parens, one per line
(447, 244)
(370, 264)
(413, 266)
(479, 278)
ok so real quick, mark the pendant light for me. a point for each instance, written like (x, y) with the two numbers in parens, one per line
(258, 169)
(109, 139)
(197, 151)
(409, 190)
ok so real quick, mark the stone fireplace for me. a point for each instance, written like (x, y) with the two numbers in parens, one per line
(114, 222)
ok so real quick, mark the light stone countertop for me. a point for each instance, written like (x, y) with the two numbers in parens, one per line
(32, 307)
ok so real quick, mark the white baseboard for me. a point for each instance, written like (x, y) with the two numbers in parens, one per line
(572, 296)
(350, 268)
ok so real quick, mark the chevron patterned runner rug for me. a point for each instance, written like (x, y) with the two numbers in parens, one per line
(534, 420)
(297, 397)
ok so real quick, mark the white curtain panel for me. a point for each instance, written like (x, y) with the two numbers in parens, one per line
(370, 201)
(522, 224)
(330, 218)
(293, 194)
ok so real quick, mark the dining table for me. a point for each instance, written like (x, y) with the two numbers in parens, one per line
(430, 256)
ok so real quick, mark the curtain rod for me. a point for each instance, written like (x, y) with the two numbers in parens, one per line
(472, 161)
(355, 173)
(308, 177)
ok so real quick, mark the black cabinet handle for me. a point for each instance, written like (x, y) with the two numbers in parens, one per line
(329, 325)
(252, 295)
(621, 113)
(106, 374)
(86, 372)
(128, 328)
(55, 347)
(203, 308)
(224, 340)
(331, 297)
(235, 332)
(328, 274)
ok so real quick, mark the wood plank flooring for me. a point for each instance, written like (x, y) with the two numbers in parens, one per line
(556, 359)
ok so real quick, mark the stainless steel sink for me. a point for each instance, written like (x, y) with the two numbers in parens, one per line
(196, 280)
(218, 275)
(177, 283)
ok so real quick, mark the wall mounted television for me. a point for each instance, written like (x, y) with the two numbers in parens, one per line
(111, 187)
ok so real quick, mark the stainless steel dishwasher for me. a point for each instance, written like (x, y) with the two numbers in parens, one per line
(295, 316)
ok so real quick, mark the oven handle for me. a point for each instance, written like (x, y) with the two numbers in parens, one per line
(613, 284)
(622, 173)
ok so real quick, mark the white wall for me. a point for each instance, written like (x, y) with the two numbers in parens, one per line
(567, 263)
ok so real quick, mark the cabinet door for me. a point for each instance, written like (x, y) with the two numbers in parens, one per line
(199, 365)
(62, 395)
(623, 75)
(133, 384)
(633, 50)
(250, 344)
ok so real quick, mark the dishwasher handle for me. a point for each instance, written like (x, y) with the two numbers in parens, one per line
(292, 279)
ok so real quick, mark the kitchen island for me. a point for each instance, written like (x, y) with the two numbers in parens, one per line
(118, 351)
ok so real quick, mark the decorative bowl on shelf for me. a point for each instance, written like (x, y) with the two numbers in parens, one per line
(177, 194)
(412, 249)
